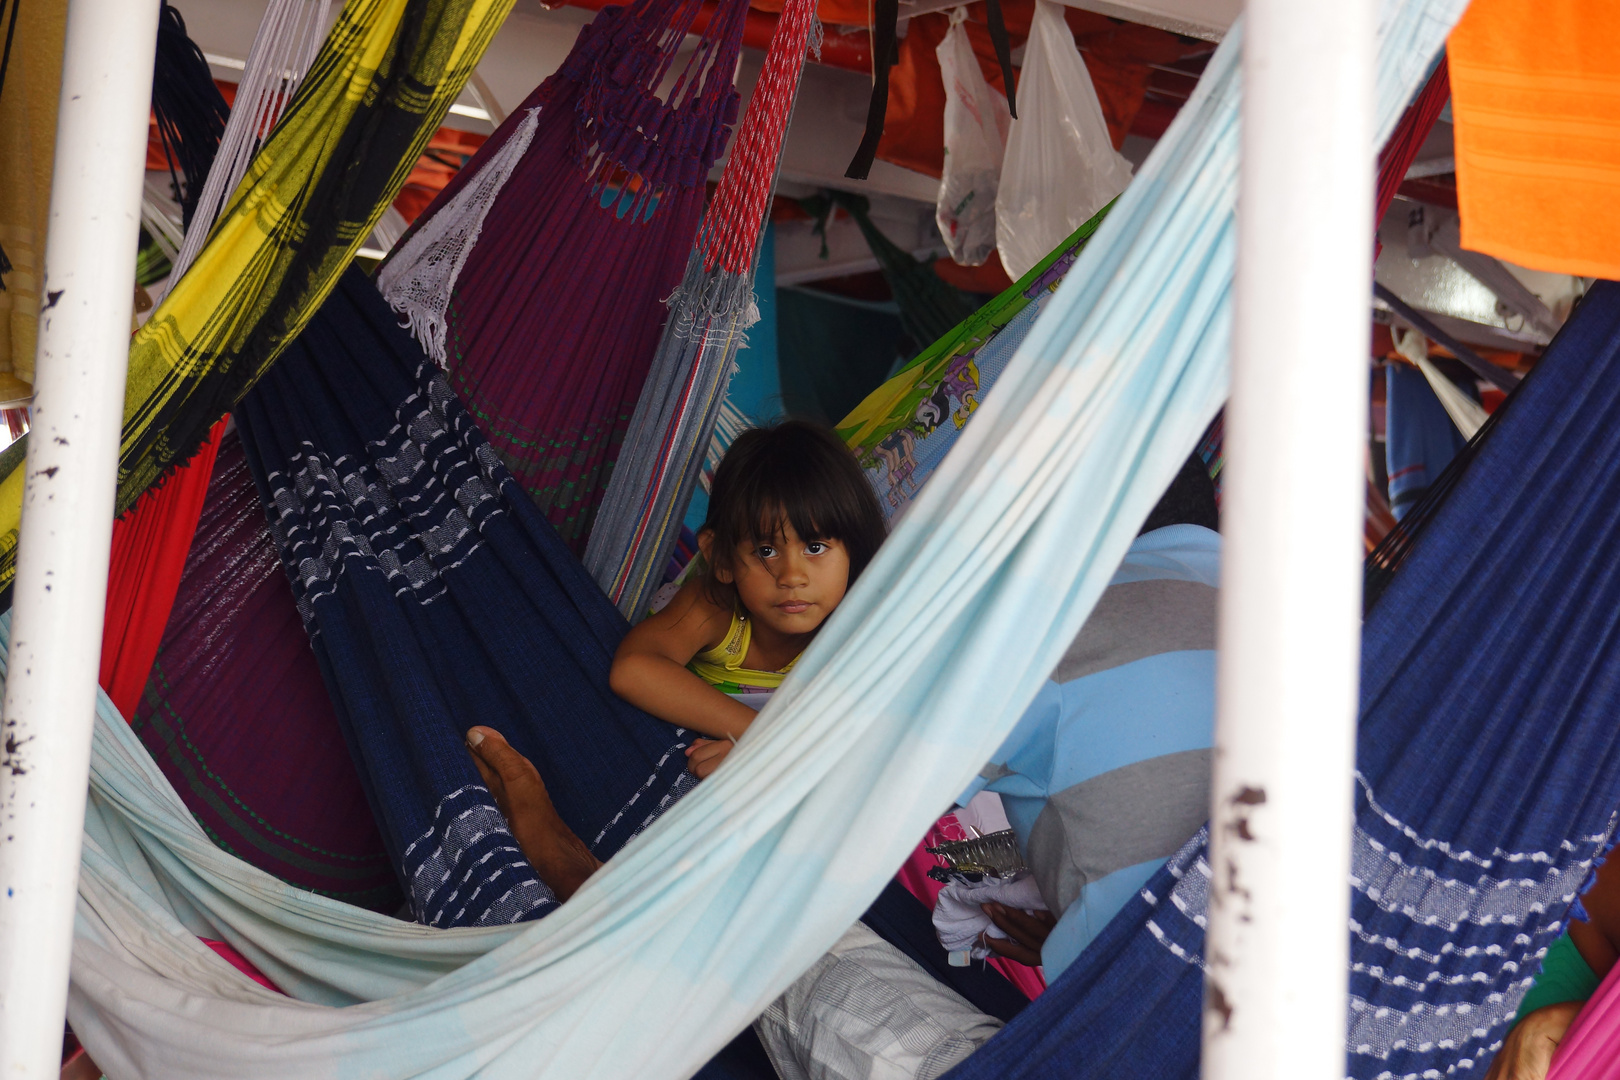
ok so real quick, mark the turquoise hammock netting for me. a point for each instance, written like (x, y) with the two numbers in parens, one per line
(714, 909)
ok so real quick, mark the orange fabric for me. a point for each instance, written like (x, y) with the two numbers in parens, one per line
(1118, 56)
(1535, 92)
(914, 128)
(990, 278)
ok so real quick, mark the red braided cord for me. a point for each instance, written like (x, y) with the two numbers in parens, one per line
(1407, 139)
(735, 217)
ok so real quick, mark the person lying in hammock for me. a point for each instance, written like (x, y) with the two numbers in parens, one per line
(1104, 777)
(1570, 973)
(792, 522)
(1107, 773)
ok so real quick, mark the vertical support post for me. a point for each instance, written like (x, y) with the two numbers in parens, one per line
(66, 531)
(1286, 695)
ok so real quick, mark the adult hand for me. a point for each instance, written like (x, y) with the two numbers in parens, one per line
(560, 858)
(705, 755)
(1026, 933)
(1528, 1050)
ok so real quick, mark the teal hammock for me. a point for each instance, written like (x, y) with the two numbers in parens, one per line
(710, 913)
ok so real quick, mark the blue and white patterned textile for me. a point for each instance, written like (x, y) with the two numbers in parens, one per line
(437, 597)
(1488, 768)
(708, 915)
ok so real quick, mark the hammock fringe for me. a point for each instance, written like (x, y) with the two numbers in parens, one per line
(420, 280)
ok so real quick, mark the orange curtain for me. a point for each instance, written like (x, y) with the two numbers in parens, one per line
(1535, 96)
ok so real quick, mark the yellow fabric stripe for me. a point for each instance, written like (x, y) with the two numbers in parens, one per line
(207, 317)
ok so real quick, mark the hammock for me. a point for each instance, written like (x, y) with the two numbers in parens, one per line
(377, 90)
(149, 546)
(436, 598)
(929, 308)
(149, 543)
(538, 277)
(236, 716)
(283, 49)
(900, 431)
(1421, 438)
(715, 909)
(1486, 786)
(188, 109)
(903, 429)
(675, 415)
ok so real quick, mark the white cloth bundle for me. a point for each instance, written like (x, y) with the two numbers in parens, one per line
(959, 916)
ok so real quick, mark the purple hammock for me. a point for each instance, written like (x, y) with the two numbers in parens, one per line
(537, 278)
(238, 719)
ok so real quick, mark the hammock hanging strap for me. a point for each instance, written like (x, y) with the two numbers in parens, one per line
(885, 44)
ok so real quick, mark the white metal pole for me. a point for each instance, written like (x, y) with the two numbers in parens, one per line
(1286, 696)
(66, 530)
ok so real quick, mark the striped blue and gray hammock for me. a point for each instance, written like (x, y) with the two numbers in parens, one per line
(437, 597)
(1488, 768)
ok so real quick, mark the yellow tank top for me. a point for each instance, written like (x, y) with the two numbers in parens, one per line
(721, 667)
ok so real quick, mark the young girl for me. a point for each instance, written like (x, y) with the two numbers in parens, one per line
(792, 523)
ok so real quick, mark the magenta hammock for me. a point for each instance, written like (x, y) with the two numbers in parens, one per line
(538, 276)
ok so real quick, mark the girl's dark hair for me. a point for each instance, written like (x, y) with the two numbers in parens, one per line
(798, 473)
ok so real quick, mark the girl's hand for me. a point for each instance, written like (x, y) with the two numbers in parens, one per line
(705, 755)
(1528, 1050)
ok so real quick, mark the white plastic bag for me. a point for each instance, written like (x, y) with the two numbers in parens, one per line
(976, 125)
(1061, 167)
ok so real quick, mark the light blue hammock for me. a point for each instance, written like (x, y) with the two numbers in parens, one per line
(697, 924)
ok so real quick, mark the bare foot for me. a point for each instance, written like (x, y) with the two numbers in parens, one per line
(560, 858)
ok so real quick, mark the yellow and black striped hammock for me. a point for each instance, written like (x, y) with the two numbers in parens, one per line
(335, 160)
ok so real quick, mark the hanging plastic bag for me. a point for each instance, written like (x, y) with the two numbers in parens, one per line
(1061, 167)
(976, 126)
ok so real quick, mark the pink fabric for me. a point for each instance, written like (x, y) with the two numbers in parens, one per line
(240, 963)
(914, 876)
(1591, 1049)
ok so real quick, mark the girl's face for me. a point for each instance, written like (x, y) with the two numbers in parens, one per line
(788, 584)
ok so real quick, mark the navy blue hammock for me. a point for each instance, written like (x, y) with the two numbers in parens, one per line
(1488, 768)
(437, 597)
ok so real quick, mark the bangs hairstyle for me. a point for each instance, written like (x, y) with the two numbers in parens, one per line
(796, 473)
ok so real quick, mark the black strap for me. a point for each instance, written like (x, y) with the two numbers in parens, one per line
(885, 54)
(1003, 47)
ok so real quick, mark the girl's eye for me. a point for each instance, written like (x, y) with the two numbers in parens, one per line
(815, 547)
(765, 551)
